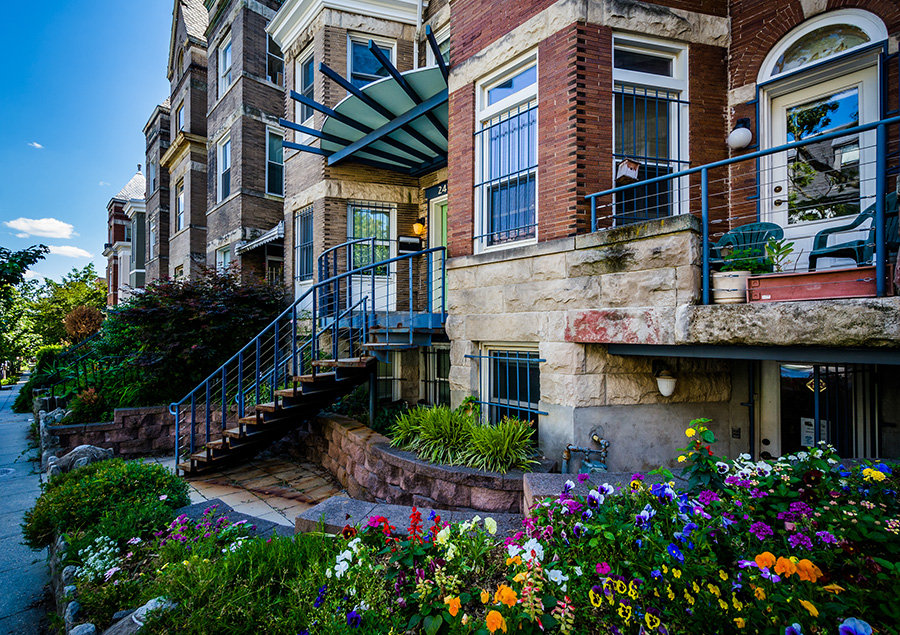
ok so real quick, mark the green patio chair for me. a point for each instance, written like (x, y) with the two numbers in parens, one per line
(863, 250)
(750, 236)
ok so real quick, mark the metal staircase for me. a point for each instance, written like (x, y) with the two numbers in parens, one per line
(320, 348)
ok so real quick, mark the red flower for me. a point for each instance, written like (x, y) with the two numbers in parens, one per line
(348, 532)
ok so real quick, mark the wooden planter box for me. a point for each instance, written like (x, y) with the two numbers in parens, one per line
(854, 282)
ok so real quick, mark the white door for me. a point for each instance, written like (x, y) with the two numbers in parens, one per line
(379, 284)
(437, 237)
(824, 184)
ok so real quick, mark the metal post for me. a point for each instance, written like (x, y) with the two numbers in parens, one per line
(294, 341)
(443, 282)
(240, 384)
(429, 284)
(880, 183)
(593, 213)
(816, 412)
(275, 363)
(193, 418)
(409, 271)
(177, 437)
(704, 208)
(224, 395)
(256, 376)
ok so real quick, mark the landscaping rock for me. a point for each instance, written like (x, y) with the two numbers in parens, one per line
(125, 626)
(156, 604)
(69, 590)
(84, 629)
(80, 456)
(119, 615)
(73, 609)
(68, 575)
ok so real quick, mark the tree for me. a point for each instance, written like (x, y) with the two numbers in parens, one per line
(82, 322)
(54, 300)
(14, 264)
(17, 336)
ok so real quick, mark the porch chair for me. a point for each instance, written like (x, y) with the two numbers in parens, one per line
(749, 236)
(863, 250)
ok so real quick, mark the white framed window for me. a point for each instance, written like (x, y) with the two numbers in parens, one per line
(304, 84)
(179, 117)
(224, 168)
(303, 244)
(274, 162)
(650, 124)
(506, 156)
(274, 62)
(179, 206)
(362, 65)
(151, 241)
(442, 37)
(223, 258)
(225, 71)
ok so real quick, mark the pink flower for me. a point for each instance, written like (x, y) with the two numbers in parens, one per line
(603, 568)
(163, 497)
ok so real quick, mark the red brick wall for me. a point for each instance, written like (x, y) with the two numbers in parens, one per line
(461, 170)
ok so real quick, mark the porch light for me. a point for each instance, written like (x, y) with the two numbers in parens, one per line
(741, 136)
(419, 227)
(665, 380)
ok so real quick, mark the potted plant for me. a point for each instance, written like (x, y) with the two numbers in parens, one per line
(729, 283)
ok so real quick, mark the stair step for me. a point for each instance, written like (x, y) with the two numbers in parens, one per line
(248, 419)
(270, 406)
(344, 362)
(308, 379)
(286, 392)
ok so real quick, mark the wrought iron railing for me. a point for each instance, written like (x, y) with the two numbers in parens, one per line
(761, 185)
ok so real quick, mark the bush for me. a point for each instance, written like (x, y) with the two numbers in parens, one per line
(75, 501)
(458, 437)
(82, 322)
(43, 371)
(88, 406)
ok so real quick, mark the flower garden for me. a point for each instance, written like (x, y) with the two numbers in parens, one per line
(800, 545)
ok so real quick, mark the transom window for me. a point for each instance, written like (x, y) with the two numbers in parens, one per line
(303, 244)
(274, 163)
(649, 126)
(364, 66)
(506, 147)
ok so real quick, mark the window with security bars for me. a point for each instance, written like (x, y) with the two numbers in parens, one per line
(511, 384)
(647, 131)
(437, 375)
(303, 244)
(370, 220)
(506, 144)
(387, 385)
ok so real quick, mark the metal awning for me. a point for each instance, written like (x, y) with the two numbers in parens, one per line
(397, 123)
(276, 233)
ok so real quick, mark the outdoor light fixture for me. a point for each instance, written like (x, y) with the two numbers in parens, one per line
(665, 380)
(419, 227)
(741, 136)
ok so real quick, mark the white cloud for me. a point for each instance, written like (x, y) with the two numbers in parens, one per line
(47, 227)
(32, 275)
(103, 183)
(35, 144)
(22, 235)
(70, 252)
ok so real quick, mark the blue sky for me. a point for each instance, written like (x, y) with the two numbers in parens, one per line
(80, 80)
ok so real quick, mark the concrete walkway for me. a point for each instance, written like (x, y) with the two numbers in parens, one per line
(23, 572)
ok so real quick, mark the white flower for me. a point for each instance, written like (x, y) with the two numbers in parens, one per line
(355, 545)
(556, 576)
(341, 568)
(577, 571)
(345, 555)
(532, 549)
(744, 457)
(491, 525)
(513, 550)
(327, 571)
(451, 551)
(443, 535)
(466, 526)
(802, 456)
(476, 518)
(832, 462)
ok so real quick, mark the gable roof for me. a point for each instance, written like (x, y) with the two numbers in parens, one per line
(195, 18)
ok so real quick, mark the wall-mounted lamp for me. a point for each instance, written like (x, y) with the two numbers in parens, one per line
(419, 227)
(665, 380)
(741, 136)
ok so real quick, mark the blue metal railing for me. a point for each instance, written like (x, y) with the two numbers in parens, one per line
(338, 326)
(879, 186)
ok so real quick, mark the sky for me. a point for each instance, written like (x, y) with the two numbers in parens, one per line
(80, 80)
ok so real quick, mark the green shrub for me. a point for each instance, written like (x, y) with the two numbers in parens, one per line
(501, 447)
(89, 406)
(443, 435)
(74, 502)
(44, 368)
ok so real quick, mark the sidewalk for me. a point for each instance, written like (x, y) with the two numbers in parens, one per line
(23, 572)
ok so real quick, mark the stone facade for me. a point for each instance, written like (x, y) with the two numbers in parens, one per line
(156, 133)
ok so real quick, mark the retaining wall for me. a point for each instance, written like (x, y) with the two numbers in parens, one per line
(133, 432)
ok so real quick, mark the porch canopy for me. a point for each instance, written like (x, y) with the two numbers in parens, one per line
(397, 123)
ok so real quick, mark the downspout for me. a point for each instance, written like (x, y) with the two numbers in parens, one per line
(418, 32)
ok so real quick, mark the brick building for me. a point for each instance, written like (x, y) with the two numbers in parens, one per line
(124, 268)
(598, 156)
(185, 159)
(156, 133)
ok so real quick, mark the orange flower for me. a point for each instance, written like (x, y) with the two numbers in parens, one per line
(834, 588)
(494, 621)
(808, 571)
(785, 567)
(517, 560)
(809, 607)
(453, 603)
(505, 595)
(485, 596)
(760, 593)
(765, 560)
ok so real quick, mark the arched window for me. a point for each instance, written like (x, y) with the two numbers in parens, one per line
(179, 67)
(824, 36)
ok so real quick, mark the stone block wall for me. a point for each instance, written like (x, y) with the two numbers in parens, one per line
(133, 432)
(364, 462)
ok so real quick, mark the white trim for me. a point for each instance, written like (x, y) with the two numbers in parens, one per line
(440, 36)
(220, 67)
(483, 114)
(180, 211)
(220, 146)
(303, 58)
(222, 254)
(868, 22)
(270, 130)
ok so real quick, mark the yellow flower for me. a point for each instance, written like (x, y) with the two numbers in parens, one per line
(676, 573)
(652, 621)
(596, 600)
(494, 621)
(491, 525)
(665, 569)
(682, 458)
(809, 607)
(760, 593)
(625, 613)
(485, 596)
(453, 603)
(833, 588)
(520, 577)
(632, 590)
(740, 621)
(723, 575)
(517, 561)
(690, 432)
(738, 605)
(723, 604)
(695, 586)
(713, 589)
(620, 586)
(635, 485)
(670, 593)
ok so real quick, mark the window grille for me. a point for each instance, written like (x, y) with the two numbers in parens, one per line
(510, 384)
(370, 220)
(436, 376)
(303, 244)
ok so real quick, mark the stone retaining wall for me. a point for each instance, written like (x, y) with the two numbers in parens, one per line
(370, 469)
(133, 432)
